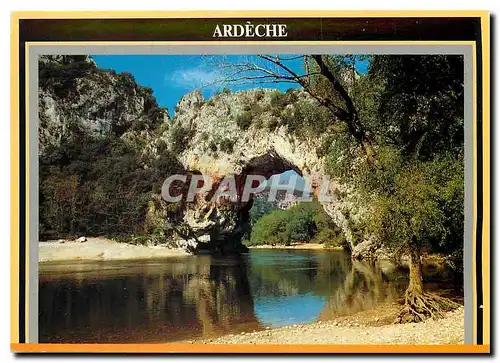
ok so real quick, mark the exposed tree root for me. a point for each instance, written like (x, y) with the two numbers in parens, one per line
(421, 306)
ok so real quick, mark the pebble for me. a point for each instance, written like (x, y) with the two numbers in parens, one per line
(444, 331)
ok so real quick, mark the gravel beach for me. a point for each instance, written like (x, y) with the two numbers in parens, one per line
(101, 249)
(449, 330)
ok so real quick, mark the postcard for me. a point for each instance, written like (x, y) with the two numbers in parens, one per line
(251, 182)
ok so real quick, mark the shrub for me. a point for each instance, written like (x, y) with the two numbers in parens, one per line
(227, 145)
(272, 123)
(259, 94)
(61, 76)
(179, 138)
(213, 146)
(304, 222)
(244, 120)
(251, 113)
(306, 117)
(98, 187)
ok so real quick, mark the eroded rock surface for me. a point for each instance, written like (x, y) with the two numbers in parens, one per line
(231, 134)
(221, 145)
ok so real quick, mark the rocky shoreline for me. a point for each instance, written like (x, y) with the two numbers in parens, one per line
(96, 249)
(297, 246)
(370, 327)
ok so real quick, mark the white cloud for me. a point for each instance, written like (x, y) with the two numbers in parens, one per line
(192, 78)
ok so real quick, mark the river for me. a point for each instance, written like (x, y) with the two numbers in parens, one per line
(165, 300)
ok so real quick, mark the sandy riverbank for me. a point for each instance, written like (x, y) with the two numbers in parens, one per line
(102, 249)
(298, 246)
(369, 327)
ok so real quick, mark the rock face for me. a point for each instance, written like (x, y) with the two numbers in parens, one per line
(367, 249)
(222, 142)
(231, 134)
(77, 97)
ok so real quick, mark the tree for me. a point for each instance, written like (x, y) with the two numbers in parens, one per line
(406, 115)
(416, 188)
(410, 209)
(324, 79)
(303, 222)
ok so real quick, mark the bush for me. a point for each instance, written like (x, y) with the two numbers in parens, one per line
(304, 222)
(212, 146)
(244, 120)
(179, 138)
(271, 229)
(279, 101)
(251, 113)
(330, 238)
(61, 76)
(272, 123)
(307, 117)
(98, 187)
(227, 146)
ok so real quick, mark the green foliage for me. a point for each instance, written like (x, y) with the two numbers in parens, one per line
(155, 114)
(280, 100)
(98, 187)
(307, 118)
(421, 102)
(272, 123)
(61, 76)
(260, 208)
(304, 222)
(417, 201)
(180, 137)
(411, 108)
(330, 238)
(244, 120)
(227, 145)
(127, 80)
(250, 115)
(259, 94)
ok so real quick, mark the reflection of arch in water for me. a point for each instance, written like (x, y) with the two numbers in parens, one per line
(366, 286)
(222, 297)
(147, 302)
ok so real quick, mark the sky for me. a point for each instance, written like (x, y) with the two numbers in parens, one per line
(172, 76)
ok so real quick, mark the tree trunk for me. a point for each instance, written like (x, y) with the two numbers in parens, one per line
(416, 283)
(419, 304)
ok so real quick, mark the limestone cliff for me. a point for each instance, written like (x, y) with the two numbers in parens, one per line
(77, 97)
(248, 132)
(244, 133)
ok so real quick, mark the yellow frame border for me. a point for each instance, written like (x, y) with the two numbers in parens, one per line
(240, 348)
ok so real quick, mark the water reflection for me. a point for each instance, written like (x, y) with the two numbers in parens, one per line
(193, 297)
(143, 301)
(290, 287)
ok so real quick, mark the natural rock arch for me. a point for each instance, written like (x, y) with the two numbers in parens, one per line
(218, 147)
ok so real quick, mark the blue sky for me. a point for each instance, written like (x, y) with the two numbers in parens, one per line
(172, 76)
